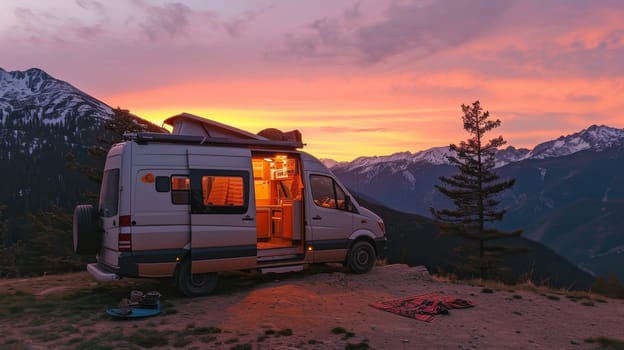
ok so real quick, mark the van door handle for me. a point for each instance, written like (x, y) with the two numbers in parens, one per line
(318, 217)
(248, 218)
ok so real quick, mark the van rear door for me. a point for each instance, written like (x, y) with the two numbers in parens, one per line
(109, 213)
(223, 226)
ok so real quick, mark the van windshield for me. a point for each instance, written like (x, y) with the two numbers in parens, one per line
(109, 194)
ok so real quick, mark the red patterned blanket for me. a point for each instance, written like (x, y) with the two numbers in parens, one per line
(423, 307)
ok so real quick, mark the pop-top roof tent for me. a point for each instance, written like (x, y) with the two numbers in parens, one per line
(189, 128)
(192, 125)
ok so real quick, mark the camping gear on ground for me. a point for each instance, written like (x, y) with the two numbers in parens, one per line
(139, 305)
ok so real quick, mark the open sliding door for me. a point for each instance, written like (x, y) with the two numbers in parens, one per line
(223, 225)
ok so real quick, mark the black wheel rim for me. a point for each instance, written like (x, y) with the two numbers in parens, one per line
(362, 257)
(198, 280)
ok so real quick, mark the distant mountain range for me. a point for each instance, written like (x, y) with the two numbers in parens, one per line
(595, 138)
(556, 182)
(43, 118)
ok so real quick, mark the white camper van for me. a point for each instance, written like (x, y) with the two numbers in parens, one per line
(210, 198)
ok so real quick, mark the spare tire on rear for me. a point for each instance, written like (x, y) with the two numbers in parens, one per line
(87, 232)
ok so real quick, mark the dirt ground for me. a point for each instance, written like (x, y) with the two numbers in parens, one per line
(327, 308)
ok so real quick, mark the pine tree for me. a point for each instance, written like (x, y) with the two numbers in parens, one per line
(7, 255)
(113, 131)
(474, 193)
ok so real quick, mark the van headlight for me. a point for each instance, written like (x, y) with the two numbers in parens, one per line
(382, 227)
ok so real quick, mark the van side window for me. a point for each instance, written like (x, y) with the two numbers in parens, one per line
(326, 193)
(180, 189)
(109, 197)
(220, 191)
(162, 184)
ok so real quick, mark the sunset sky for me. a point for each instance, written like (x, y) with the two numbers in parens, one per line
(357, 78)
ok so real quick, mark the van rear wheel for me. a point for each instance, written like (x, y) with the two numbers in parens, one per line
(195, 285)
(86, 230)
(361, 257)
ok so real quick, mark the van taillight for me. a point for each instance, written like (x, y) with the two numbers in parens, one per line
(125, 242)
(124, 221)
(125, 234)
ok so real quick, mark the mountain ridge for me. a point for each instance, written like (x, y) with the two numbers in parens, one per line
(596, 137)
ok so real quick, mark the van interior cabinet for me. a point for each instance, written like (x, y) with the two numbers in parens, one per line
(269, 221)
(291, 221)
(276, 219)
(263, 222)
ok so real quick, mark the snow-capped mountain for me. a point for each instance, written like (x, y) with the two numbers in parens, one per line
(597, 138)
(26, 96)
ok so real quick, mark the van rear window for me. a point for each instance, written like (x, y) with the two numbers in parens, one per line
(109, 193)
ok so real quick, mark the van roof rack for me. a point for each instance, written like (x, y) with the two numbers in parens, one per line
(148, 137)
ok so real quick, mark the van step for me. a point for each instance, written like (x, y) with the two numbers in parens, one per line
(277, 251)
(277, 257)
(282, 269)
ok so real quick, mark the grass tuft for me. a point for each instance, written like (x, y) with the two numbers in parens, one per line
(607, 343)
(285, 332)
(206, 330)
(231, 341)
(363, 345)
(241, 347)
(181, 341)
(148, 338)
(208, 339)
(338, 330)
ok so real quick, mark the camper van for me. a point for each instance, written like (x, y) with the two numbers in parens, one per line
(210, 198)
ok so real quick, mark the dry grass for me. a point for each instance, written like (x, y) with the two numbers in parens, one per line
(488, 286)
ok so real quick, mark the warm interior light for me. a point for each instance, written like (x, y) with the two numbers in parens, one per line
(310, 248)
(268, 160)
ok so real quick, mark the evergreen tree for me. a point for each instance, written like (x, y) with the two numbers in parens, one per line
(474, 193)
(7, 256)
(113, 131)
(49, 244)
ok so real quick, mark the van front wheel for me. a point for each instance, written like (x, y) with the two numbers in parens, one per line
(361, 257)
(195, 285)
